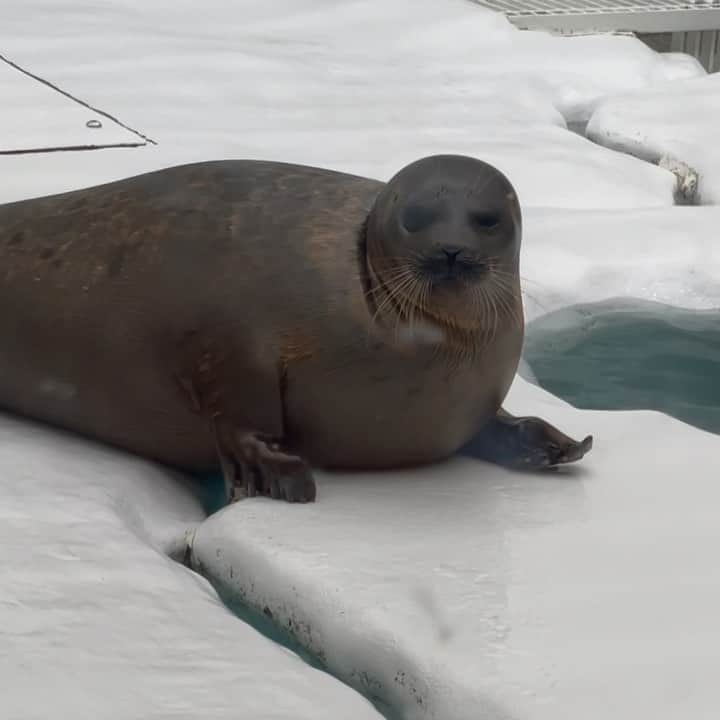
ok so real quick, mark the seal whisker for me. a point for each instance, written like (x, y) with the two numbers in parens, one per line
(392, 293)
(391, 290)
(486, 310)
(503, 295)
(509, 309)
(506, 294)
(425, 293)
(400, 307)
(392, 273)
(384, 287)
(511, 277)
(487, 313)
(492, 316)
(493, 310)
(417, 302)
(501, 284)
(539, 303)
(522, 277)
(503, 299)
(409, 307)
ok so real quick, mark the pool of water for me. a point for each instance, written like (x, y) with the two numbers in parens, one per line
(630, 355)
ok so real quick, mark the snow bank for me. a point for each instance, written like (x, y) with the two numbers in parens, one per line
(359, 86)
(97, 622)
(464, 591)
(676, 122)
(667, 255)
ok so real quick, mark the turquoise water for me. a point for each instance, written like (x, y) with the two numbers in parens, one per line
(623, 355)
(211, 491)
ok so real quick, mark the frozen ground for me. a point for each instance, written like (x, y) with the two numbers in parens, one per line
(467, 592)
(96, 621)
(669, 255)
(590, 594)
(361, 86)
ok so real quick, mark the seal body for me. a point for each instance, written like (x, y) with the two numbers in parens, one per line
(265, 317)
(246, 275)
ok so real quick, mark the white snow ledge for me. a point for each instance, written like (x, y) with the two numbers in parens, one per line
(463, 591)
(97, 623)
(674, 125)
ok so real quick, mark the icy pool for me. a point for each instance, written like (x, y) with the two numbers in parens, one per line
(630, 354)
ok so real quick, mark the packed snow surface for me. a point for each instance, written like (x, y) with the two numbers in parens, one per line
(363, 86)
(463, 591)
(668, 255)
(96, 621)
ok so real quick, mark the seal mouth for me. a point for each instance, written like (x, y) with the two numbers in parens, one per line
(453, 292)
(451, 266)
(450, 290)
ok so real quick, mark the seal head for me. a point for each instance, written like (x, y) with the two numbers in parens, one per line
(443, 244)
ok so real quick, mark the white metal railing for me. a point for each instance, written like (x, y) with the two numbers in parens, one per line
(693, 24)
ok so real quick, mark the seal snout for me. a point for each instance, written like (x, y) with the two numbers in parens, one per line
(452, 262)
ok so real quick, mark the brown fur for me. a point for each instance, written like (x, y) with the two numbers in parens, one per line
(233, 292)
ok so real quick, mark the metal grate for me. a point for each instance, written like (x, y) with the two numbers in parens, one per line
(610, 15)
(531, 7)
(693, 24)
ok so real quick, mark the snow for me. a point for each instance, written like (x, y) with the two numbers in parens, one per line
(676, 121)
(667, 255)
(41, 117)
(464, 591)
(362, 86)
(97, 622)
(481, 593)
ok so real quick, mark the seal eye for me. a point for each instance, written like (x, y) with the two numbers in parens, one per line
(485, 221)
(416, 218)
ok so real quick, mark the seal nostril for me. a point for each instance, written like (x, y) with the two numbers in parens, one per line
(451, 255)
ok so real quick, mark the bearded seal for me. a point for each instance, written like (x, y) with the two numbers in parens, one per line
(265, 318)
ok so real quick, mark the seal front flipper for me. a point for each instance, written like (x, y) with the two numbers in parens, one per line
(256, 464)
(525, 443)
(253, 461)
